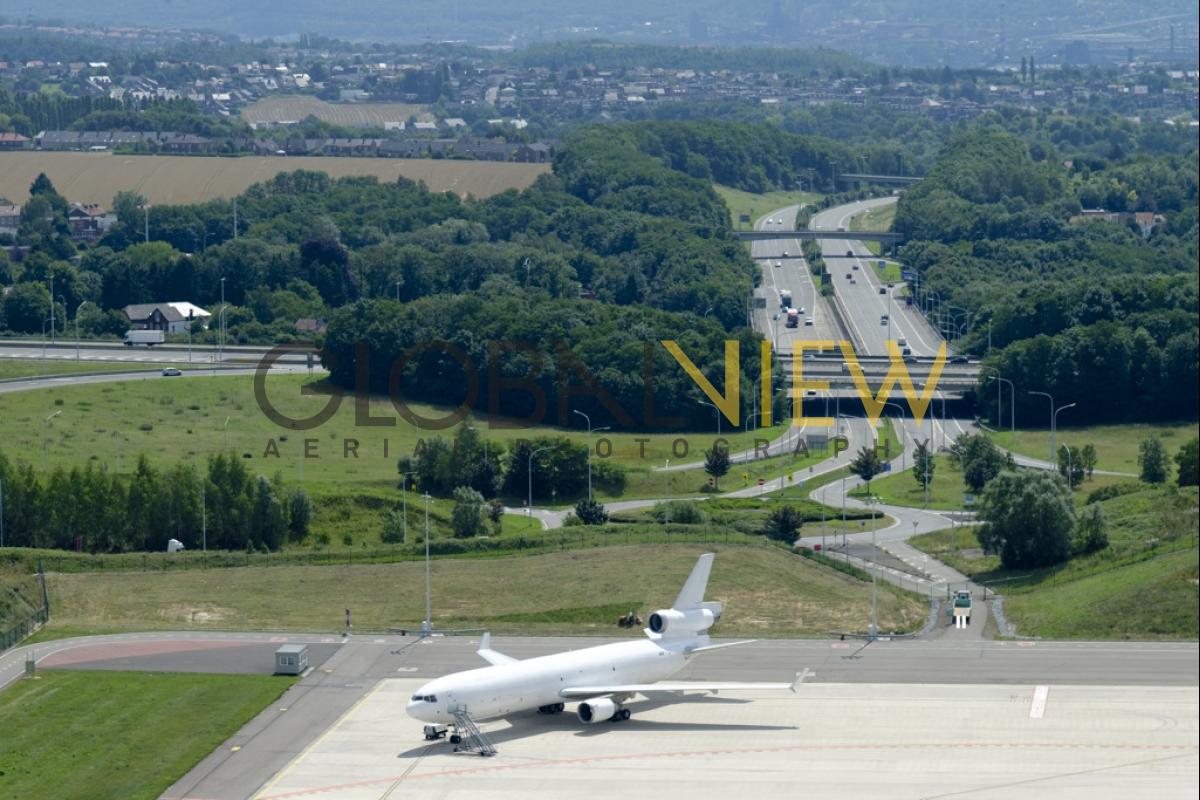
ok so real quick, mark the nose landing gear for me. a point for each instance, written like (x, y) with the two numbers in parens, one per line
(553, 708)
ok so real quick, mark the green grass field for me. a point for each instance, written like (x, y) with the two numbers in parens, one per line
(1142, 586)
(1116, 445)
(756, 205)
(117, 734)
(901, 489)
(27, 368)
(768, 591)
(98, 734)
(876, 220)
(187, 420)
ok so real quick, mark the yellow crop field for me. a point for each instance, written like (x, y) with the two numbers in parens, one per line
(293, 108)
(96, 177)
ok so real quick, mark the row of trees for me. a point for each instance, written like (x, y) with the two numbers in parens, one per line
(91, 509)
(555, 466)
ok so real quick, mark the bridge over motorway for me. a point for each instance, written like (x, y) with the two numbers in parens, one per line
(884, 180)
(884, 237)
(954, 377)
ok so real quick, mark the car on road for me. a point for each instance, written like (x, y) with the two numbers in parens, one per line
(854, 266)
(786, 254)
(890, 284)
(882, 290)
(849, 254)
(852, 280)
(172, 372)
(883, 319)
(808, 322)
(959, 360)
(909, 358)
(901, 341)
(849, 276)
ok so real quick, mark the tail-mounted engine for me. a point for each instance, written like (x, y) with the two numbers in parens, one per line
(673, 622)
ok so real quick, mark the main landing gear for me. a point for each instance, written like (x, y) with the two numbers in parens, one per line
(553, 708)
(621, 715)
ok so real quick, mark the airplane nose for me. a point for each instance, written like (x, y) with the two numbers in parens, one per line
(419, 711)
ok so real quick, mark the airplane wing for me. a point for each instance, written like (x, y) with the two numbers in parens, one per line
(489, 655)
(584, 692)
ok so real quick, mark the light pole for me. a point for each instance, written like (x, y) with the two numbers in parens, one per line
(1049, 397)
(900, 425)
(666, 493)
(77, 310)
(51, 309)
(221, 316)
(1054, 430)
(1012, 408)
(226, 428)
(404, 495)
(713, 406)
(874, 576)
(589, 426)
(529, 474)
(427, 625)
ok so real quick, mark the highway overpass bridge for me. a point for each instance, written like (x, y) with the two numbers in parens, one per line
(888, 238)
(883, 180)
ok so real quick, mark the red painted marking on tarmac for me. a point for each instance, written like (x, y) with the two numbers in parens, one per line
(86, 653)
(524, 765)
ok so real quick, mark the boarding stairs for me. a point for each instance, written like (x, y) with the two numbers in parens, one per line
(471, 739)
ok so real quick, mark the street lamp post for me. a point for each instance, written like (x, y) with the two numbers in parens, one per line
(529, 473)
(666, 493)
(221, 316)
(1050, 398)
(1054, 432)
(77, 310)
(427, 624)
(589, 426)
(714, 407)
(226, 429)
(404, 496)
(900, 420)
(1012, 408)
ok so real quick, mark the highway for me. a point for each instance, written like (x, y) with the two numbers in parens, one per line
(861, 298)
(27, 349)
(788, 273)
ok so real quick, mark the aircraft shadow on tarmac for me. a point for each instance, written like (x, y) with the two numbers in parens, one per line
(531, 724)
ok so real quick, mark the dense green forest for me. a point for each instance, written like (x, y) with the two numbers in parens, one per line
(1090, 310)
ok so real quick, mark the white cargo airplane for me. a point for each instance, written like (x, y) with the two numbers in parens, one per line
(603, 677)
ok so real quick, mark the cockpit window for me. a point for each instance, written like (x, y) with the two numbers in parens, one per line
(426, 698)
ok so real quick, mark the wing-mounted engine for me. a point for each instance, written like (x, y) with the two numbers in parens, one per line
(600, 709)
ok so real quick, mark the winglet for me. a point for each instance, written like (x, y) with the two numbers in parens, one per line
(800, 676)
(692, 593)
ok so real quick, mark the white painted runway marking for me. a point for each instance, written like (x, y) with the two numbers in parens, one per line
(1037, 708)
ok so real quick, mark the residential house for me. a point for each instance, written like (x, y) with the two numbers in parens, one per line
(308, 325)
(10, 220)
(174, 317)
(14, 141)
(536, 153)
(89, 222)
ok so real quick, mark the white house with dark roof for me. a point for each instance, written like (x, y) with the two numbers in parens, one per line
(174, 317)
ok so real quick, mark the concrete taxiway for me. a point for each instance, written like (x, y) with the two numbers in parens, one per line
(826, 740)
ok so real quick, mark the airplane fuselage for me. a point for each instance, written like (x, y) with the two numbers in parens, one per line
(526, 685)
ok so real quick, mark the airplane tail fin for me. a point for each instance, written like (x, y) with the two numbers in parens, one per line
(692, 593)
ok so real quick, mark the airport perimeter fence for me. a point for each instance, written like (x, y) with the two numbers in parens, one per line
(24, 607)
(547, 542)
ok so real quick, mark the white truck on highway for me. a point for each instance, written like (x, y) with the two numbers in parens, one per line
(148, 338)
(785, 298)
